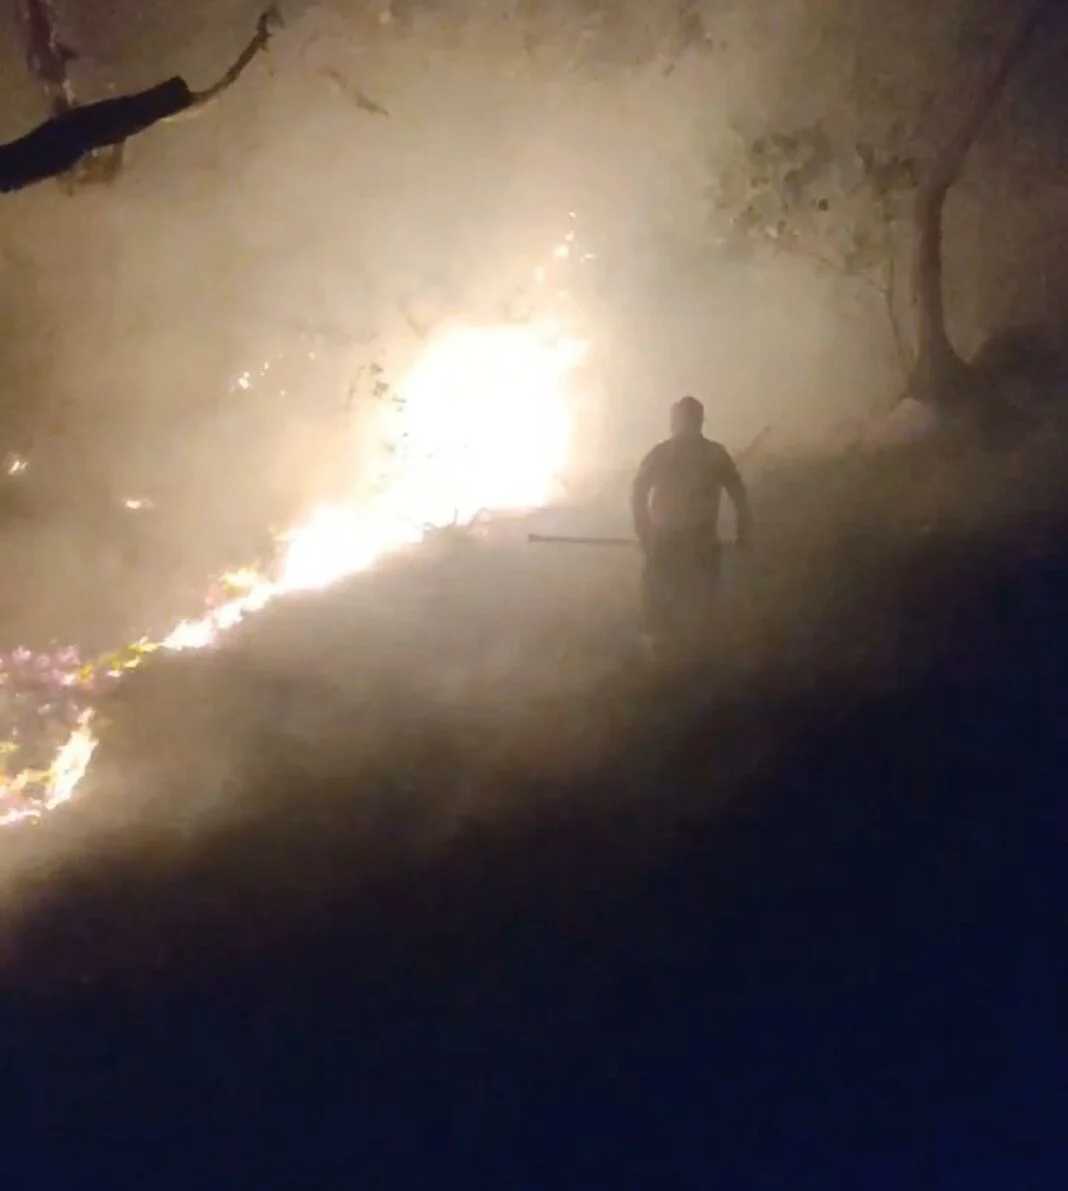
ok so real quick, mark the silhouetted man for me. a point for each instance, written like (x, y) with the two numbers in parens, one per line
(675, 504)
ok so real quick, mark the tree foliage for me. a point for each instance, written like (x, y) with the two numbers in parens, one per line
(841, 204)
(847, 190)
(799, 191)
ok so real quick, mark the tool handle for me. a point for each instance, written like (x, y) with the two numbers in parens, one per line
(572, 540)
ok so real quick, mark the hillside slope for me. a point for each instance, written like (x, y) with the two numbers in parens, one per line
(481, 913)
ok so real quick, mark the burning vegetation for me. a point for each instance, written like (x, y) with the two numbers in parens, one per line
(482, 412)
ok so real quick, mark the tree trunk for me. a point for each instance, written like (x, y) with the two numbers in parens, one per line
(940, 376)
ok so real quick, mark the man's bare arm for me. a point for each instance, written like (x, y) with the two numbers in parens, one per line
(736, 490)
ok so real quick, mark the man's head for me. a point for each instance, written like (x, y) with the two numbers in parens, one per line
(687, 416)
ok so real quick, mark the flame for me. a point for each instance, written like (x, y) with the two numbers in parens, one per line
(60, 781)
(482, 422)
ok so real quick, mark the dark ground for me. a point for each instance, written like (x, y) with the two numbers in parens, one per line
(805, 933)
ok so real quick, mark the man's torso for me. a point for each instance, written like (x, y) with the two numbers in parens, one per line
(688, 477)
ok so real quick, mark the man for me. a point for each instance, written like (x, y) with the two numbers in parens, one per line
(675, 504)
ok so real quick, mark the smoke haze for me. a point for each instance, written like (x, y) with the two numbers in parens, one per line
(199, 332)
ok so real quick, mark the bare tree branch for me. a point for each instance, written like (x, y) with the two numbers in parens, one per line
(68, 139)
(268, 23)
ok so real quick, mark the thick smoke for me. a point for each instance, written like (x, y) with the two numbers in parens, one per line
(371, 179)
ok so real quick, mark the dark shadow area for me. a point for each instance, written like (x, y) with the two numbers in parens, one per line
(766, 924)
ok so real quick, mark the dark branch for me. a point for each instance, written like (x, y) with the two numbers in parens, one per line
(949, 162)
(60, 144)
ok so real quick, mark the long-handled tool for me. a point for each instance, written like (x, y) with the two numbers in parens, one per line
(558, 539)
(563, 539)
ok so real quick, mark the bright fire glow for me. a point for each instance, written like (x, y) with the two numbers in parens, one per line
(482, 422)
